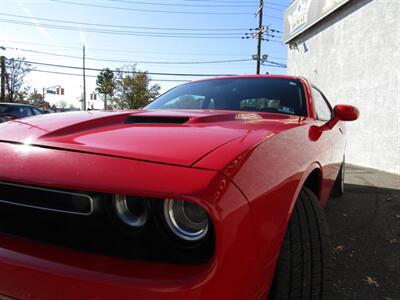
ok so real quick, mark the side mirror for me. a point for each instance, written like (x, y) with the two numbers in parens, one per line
(345, 112)
(341, 112)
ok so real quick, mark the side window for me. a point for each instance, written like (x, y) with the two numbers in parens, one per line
(36, 111)
(322, 109)
(23, 111)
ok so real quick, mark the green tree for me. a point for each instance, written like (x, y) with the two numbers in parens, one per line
(16, 70)
(105, 85)
(62, 105)
(134, 89)
(22, 95)
(72, 108)
(35, 98)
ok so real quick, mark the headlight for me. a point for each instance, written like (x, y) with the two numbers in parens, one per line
(185, 219)
(131, 211)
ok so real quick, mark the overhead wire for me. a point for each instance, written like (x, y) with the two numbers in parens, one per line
(228, 1)
(127, 26)
(124, 71)
(125, 33)
(134, 61)
(184, 4)
(144, 62)
(95, 76)
(157, 11)
(195, 5)
(273, 4)
(141, 33)
(150, 10)
(111, 50)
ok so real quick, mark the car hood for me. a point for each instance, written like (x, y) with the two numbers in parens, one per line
(179, 137)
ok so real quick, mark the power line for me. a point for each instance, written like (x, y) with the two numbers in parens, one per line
(125, 33)
(151, 10)
(192, 5)
(274, 64)
(219, 1)
(276, 4)
(228, 1)
(123, 71)
(94, 76)
(111, 50)
(136, 62)
(182, 5)
(158, 11)
(125, 26)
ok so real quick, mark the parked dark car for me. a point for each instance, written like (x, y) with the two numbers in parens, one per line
(11, 111)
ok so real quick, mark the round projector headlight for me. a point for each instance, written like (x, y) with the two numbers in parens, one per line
(186, 220)
(130, 210)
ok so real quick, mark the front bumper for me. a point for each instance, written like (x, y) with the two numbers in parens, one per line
(32, 270)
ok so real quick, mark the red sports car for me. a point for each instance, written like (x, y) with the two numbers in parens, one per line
(213, 191)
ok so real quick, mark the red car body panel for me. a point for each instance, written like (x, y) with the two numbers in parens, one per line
(245, 169)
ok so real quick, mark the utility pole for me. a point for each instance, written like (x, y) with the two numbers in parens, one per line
(43, 98)
(84, 81)
(3, 78)
(259, 35)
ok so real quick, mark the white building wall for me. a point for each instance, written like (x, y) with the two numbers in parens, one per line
(353, 56)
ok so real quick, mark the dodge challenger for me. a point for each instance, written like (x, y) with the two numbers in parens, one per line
(215, 190)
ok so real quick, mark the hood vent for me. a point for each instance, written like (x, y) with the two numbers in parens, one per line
(155, 120)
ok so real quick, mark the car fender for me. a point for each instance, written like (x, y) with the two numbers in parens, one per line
(311, 168)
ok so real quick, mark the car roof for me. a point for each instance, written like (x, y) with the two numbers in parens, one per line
(253, 76)
(15, 104)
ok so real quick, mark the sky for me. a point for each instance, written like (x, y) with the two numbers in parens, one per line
(159, 36)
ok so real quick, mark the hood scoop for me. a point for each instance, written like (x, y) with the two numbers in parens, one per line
(156, 120)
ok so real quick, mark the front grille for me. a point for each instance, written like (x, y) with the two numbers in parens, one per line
(99, 232)
(46, 199)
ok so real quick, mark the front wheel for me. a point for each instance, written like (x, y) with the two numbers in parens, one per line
(304, 265)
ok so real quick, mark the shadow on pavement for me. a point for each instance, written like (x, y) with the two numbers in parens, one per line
(365, 227)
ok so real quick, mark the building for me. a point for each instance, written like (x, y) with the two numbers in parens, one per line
(350, 49)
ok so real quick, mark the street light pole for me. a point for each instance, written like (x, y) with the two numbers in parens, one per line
(84, 80)
(44, 93)
(2, 76)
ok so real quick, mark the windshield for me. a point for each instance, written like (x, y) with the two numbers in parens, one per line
(273, 95)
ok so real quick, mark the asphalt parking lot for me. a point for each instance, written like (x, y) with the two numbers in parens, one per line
(365, 227)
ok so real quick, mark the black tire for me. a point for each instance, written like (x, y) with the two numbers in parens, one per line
(304, 266)
(338, 187)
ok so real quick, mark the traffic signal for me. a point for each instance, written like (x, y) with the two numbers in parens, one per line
(62, 91)
(58, 91)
